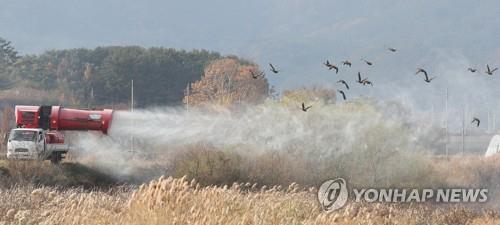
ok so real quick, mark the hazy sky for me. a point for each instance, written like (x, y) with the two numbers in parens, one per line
(443, 36)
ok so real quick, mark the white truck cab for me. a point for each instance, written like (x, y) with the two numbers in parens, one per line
(32, 144)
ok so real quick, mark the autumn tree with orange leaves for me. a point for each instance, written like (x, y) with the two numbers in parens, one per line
(228, 82)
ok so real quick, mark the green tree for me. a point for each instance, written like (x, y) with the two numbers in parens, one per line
(160, 74)
(8, 56)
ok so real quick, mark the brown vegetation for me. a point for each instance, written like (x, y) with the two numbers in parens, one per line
(26, 173)
(226, 82)
(316, 94)
(367, 168)
(40, 193)
(177, 201)
(27, 95)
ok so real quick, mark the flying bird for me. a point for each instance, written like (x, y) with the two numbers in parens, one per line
(420, 70)
(366, 81)
(304, 108)
(335, 68)
(367, 62)
(347, 63)
(490, 71)
(327, 63)
(273, 69)
(331, 66)
(359, 78)
(477, 121)
(472, 70)
(343, 94)
(343, 82)
(392, 49)
(428, 80)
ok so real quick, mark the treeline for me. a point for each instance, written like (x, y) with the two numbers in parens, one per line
(102, 76)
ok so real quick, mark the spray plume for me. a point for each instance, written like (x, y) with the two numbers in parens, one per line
(326, 131)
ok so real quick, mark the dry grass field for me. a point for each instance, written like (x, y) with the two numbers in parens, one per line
(177, 201)
(39, 193)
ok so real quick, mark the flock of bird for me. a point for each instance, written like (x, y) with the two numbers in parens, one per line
(365, 81)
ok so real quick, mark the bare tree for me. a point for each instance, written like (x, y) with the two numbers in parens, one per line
(227, 82)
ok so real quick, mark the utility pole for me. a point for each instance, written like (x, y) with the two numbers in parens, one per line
(187, 98)
(132, 110)
(92, 95)
(446, 123)
(463, 130)
(494, 122)
(132, 96)
(489, 122)
(89, 100)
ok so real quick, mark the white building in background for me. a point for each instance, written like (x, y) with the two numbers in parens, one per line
(494, 146)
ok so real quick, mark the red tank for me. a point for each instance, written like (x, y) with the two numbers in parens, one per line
(54, 137)
(60, 118)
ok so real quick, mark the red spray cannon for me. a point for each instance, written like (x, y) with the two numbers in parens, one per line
(60, 118)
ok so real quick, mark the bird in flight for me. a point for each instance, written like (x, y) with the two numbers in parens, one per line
(366, 81)
(420, 70)
(343, 94)
(273, 69)
(331, 66)
(347, 63)
(327, 63)
(304, 108)
(367, 62)
(490, 71)
(477, 121)
(359, 78)
(427, 79)
(472, 70)
(392, 49)
(343, 82)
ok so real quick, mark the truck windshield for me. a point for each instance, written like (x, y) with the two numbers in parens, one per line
(23, 135)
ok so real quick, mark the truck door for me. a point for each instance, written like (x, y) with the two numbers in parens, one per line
(40, 145)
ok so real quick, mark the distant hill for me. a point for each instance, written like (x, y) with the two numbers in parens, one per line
(102, 76)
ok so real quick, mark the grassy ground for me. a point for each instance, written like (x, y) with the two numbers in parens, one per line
(72, 193)
(68, 174)
(177, 201)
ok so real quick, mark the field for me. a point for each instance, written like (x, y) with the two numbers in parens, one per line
(196, 171)
(76, 194)
(177, 201)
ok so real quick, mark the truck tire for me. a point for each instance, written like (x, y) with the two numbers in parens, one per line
(55, 158)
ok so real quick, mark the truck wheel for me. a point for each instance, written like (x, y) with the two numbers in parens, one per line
(56, 158)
